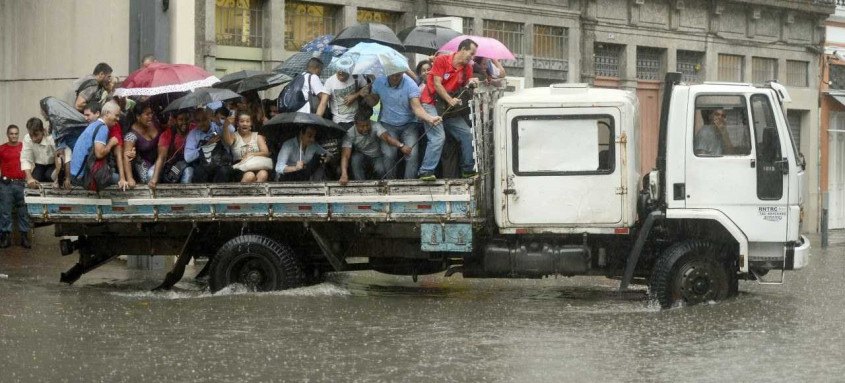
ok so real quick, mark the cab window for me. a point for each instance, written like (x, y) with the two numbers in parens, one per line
(721, 126)
(563, 145)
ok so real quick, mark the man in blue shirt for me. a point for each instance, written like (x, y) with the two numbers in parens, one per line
(400, 108)
(199, 146)
(102, 144)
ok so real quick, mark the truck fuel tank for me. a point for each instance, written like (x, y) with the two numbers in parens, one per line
(535, 259)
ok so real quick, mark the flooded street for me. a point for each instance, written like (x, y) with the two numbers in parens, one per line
(371, 327)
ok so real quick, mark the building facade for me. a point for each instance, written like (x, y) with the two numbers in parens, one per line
(627, 44)
(832, 122)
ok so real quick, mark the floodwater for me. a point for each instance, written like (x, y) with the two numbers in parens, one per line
(370, 327)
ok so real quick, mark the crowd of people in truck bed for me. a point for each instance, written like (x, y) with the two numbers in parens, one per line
(130, 141)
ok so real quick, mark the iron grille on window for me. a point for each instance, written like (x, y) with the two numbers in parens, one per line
(691, 66)
(837, 77)
(551, 42)
(796, 73)
(305, 21)
(510, 34)
(239, 23)
(794, 119)
(730, 68)
(607, 59)
(763, 70)
(649, 63)
(390, 19)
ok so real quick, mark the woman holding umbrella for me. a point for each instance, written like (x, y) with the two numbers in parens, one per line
(249, 150)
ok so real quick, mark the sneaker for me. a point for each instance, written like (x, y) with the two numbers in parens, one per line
(5, 240)
(469, 174)
(25, 241)
(427, 177)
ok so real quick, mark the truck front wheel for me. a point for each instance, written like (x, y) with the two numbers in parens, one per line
(692, 272)
(257, 262)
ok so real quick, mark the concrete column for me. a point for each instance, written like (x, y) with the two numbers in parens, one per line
(671, 60)
(574, 70)
(274, 47)
(628, 72)
(528, 54)
(205, 35)
(587, 72)
(182, 32)
(349, 16)
(747, 73)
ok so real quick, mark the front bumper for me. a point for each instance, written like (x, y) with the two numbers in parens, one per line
(798, 254)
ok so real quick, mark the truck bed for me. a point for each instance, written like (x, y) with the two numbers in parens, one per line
(450, 200)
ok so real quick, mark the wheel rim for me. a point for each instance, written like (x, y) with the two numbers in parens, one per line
(699, 282)
(253, 271)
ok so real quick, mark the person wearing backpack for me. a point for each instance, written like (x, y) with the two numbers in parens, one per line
(89, 167)
(304, 92)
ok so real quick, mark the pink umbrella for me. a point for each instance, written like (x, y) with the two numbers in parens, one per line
(488, 47)
(160, 78)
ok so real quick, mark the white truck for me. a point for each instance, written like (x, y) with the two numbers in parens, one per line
(558, 194)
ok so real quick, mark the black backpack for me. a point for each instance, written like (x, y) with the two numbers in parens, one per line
(291, 98)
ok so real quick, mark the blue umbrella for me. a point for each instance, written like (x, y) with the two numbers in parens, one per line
(371, 58)
(322, 44)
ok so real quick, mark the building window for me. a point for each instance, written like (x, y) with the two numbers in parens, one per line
(390, 19)
(763, 70)
(510, 34)
(551, 42)
(467, 23)
(607, 59)
(239, 23)
(794, 118)
(730, 68)
(649, 63)
(305, 21)
(796, 73)
(837, 77)
(691, 66)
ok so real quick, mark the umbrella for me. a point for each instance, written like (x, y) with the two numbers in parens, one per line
(368, 33)
(236, 76)
(297, 64)
(201, 97)
(291, 122)
(372, 58)
(255, 82)
(159, 78)
(487, 47)
(65, 121)
(426, 39)
(323, 44)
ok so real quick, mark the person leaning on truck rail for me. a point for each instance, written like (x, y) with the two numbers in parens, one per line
(40, 160)
(361, 148)
(144, 159)
(92, 113)
(12, 180)
(102, 146)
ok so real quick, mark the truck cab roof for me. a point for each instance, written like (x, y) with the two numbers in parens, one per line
(570, 95)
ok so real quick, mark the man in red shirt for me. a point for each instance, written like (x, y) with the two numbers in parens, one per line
(448, 74)
(12, 183)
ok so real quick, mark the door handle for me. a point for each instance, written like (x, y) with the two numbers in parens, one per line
(753, 163)
(509, 191)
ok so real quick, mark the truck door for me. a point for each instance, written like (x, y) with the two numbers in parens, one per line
(738, 167)
(563, 167)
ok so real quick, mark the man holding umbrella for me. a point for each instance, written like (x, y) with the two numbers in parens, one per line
(449, 73)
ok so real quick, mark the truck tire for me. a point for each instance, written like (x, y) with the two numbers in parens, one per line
(257, 262)
(692, 272)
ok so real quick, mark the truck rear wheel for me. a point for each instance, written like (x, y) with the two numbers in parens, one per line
(257, 262)
(692, 272)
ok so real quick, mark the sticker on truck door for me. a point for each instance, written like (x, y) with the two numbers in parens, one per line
(772, 213)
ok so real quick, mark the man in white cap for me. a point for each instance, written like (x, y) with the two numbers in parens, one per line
(343, 93)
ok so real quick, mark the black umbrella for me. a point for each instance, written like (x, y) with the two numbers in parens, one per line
(426, 39)
(370, 33)
(237, 76)
(65, 121)
(297, 64)
(286, 125)
(201, 97)
(255, 82)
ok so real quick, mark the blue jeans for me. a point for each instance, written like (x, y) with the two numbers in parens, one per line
(408, 135)
(11, 196)
(458, 128)
(187, 175)
(359, 162)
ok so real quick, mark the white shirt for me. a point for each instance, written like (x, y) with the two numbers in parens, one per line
(315, 84)
(338, 90)
(42, 153)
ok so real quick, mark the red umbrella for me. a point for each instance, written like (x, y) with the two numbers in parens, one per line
(160, 78)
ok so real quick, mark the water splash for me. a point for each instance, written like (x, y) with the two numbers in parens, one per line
(320, 290)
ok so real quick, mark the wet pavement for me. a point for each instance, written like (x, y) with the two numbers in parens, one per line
(371, 327)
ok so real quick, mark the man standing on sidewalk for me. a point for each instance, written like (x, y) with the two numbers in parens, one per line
(12, 183)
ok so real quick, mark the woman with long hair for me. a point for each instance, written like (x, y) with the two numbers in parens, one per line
(141, 147)
(246, 144)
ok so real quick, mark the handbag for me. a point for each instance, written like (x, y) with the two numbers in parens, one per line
(173, 172)
(254, 164)
(97, 172)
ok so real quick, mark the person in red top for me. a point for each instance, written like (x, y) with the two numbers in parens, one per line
(12, 183)
(448, 74)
